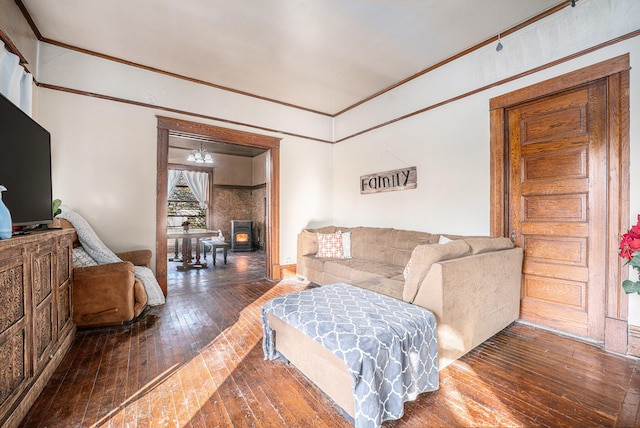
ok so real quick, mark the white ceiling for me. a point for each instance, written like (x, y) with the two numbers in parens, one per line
(324, 55)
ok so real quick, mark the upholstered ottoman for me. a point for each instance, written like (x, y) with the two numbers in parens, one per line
(370, 353)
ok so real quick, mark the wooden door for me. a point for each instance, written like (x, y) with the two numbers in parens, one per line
(557, 183)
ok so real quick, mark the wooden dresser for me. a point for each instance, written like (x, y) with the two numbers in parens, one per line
(36, 322)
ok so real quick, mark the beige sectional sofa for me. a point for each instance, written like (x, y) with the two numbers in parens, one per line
(471, 284)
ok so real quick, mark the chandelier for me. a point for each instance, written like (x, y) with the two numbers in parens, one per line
(200, 156)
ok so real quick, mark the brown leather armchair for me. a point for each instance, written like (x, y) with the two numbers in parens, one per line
(108, 294)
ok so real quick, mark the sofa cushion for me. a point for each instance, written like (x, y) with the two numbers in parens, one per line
(356, 270)
(387, 286)
(402, 242)
(423, 257)
(398, 277)
(485, 245)
(314, 263)
(330, 245)
(369, 243)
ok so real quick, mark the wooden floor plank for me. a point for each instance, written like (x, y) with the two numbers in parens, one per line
(197, 361)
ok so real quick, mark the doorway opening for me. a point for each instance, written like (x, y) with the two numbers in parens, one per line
(175, 135)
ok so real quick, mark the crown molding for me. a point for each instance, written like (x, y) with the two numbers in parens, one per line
(506, 32)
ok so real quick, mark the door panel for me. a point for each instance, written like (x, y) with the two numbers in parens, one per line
(556, 210)
(566, 251)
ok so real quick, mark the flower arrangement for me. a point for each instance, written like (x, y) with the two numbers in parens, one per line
(630, 250)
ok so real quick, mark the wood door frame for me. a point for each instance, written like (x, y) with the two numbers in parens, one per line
(616, 73)
(171, 126)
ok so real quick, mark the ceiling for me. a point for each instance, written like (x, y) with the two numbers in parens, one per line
(322, 55)
(180, 147)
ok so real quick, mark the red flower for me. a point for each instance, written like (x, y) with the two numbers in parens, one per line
(636, 229)
(629, 244)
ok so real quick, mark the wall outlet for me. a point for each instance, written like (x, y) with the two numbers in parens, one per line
(288, 260)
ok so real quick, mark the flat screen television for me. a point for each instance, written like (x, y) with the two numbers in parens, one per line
(25, 167)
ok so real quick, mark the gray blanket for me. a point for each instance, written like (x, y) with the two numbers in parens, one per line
(389, 346)
(101, 254)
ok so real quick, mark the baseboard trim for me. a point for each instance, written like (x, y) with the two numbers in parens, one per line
(633, 347)
(287, 271)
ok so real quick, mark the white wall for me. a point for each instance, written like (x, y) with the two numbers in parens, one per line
(306, 174)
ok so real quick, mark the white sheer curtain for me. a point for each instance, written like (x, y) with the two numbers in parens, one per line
(198, 183)
(172, 179)
(15, 82)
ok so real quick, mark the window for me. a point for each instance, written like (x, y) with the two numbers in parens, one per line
(183, 206)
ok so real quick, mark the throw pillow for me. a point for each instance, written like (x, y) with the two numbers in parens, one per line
(80, 258)
(330, 245)
(346, 245)
(443, 240)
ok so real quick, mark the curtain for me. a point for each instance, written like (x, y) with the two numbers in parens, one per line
(15, 82)
(198, 183)
(172, 179)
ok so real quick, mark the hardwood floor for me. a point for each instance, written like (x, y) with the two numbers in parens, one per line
(197, 361)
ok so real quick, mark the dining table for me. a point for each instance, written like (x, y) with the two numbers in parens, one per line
(186, 236)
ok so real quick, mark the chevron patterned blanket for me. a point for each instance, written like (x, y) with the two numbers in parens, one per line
(389, 346)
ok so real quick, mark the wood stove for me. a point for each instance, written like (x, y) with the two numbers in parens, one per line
(241, 235)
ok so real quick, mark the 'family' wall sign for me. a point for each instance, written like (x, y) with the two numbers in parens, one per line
(389, 181)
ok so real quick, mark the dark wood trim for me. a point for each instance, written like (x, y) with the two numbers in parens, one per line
(616, 72)
(560, 83)
(287, 271)
(367, 130)
(498, 226)
(194, 167)
(161, 207)
(498, 83)
(508, 31)
(616, 335)
(166, 126)
(634, 341)
(173, 110)
(27, 17)
(176, 75)
(13, 48)
(489, 41)
(272, 235)
(619, 159)
(239, 187)
(185, 128)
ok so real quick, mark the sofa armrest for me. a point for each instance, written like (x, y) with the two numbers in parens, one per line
(473, 298)
(307, 244)
(137, 257)
(104, 294)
